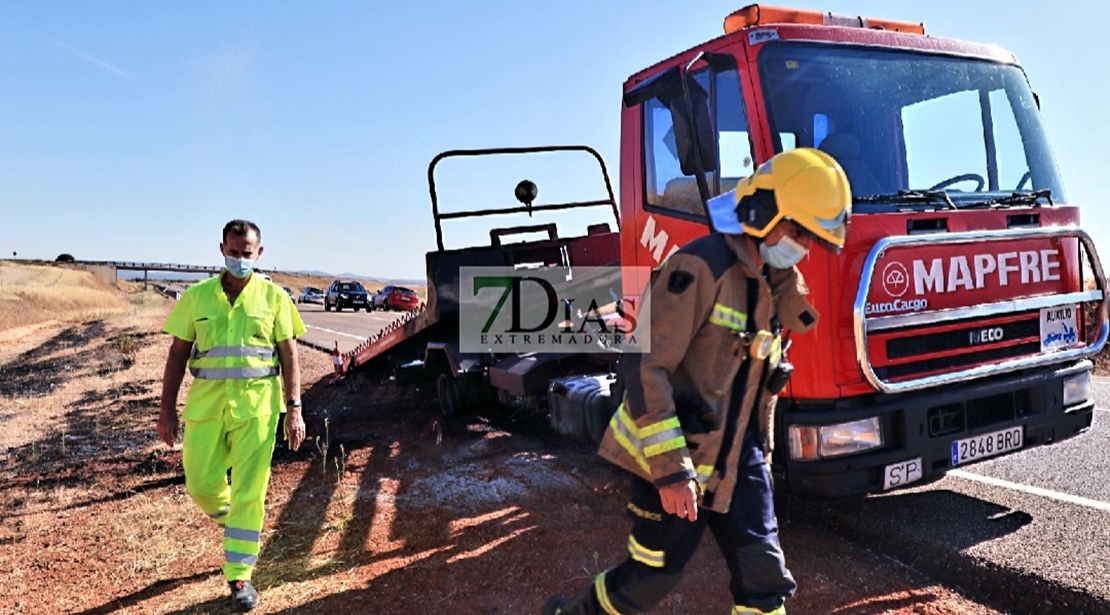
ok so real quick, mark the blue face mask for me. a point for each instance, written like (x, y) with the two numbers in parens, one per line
(238, 267)
(784, 254)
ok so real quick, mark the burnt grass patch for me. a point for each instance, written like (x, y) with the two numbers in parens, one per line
(99, 421)
(39, 371)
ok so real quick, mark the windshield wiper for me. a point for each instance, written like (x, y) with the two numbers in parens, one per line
(1017, 198)
(909, 196)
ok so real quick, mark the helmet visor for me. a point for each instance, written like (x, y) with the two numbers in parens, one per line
(759, 213)
(832, 231)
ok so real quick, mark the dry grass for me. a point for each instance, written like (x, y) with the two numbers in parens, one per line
(31, 294)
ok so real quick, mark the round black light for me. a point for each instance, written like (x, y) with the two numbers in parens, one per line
(526, 192)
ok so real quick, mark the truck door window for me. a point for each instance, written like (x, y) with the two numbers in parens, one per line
(733, 139)
(666, 187)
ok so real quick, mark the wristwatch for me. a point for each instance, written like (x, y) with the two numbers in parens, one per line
(293, 403)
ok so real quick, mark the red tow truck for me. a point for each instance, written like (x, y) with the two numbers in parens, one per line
(958, 322)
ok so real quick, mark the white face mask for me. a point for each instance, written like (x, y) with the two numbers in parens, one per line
(238, 267)
(784, 254)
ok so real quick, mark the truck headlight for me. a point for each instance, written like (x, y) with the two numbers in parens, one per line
(810, 442)
(1077, 389)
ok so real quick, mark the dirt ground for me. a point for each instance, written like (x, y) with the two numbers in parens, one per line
(387, 509)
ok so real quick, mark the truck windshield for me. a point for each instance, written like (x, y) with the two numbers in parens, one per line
(903, 121)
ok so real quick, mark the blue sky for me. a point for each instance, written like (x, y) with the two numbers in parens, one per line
(134, 130)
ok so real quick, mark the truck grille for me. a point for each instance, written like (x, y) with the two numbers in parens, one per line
(927, 343)
(962, 360)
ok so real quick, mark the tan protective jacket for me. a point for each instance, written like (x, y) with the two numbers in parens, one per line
(674, 422)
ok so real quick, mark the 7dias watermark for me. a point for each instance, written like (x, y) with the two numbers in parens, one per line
(551, 309)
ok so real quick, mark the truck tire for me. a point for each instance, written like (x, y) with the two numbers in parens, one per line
(449, 395)
(327, 306)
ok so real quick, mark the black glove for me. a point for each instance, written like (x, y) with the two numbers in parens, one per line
(779, 377)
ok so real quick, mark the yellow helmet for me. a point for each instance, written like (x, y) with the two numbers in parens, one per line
(804, 185)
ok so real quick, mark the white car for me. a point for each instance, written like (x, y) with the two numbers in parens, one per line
(311, 294)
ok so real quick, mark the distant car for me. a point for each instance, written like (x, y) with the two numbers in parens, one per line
(311, 294)
(289, 291)
(396, 298)
(347, 294)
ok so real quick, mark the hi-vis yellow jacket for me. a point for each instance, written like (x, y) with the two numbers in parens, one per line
(674, 423)
(234, 361)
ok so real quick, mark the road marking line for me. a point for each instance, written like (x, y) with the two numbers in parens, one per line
(357, 337)
(1044, 493)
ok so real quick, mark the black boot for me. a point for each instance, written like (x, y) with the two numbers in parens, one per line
(244, 596)
(584, 603)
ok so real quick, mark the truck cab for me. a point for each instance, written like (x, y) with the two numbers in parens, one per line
(958, 321)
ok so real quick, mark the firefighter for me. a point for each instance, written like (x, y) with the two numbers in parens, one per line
(236, 333)
(694, 426)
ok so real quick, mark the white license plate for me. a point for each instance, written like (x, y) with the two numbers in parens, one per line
(986, 445)
(902, 473)
(1058, 327)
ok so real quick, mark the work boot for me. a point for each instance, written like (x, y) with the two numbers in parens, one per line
(584, 603)
(244, 596)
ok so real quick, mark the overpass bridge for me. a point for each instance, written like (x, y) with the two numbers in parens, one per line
(109, 270)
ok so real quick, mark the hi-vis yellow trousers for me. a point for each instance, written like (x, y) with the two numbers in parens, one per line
(209, 448)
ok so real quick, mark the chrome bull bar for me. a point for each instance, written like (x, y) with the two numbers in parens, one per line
(864, 325)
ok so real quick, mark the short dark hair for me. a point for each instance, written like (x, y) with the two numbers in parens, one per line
(240, 228)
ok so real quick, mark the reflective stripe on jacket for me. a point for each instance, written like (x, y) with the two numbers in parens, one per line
(203, 364)
(674, 420)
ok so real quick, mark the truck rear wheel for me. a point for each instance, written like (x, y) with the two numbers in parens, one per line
(449, 395)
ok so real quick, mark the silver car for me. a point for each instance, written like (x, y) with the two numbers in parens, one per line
(311, 294)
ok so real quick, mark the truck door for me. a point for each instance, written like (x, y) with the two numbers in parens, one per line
(667, 210)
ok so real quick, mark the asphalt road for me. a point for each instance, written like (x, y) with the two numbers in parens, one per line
(347, 328)
(1030, 532)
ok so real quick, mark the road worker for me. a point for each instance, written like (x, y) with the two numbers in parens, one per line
(236, 334)
(694, 426)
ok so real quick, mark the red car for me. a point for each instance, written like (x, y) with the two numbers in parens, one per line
(396, 298)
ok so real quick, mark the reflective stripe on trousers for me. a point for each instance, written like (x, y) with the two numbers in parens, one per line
(241, 546)
(746, 610)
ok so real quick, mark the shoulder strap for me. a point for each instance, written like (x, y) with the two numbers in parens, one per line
(753, 300)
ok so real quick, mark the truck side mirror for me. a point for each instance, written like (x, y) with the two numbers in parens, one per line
(684, 132)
